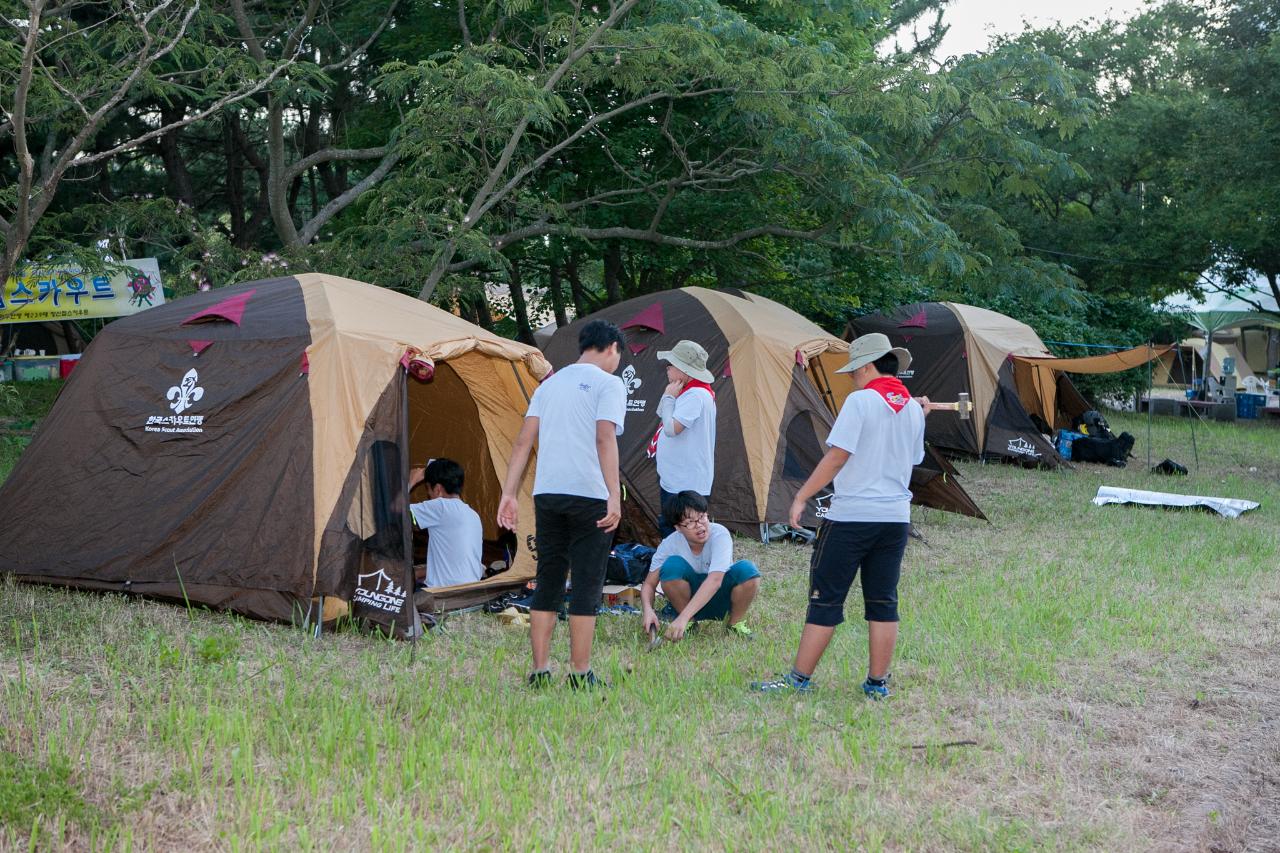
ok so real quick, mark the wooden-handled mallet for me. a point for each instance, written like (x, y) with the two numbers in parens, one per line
(963, 406)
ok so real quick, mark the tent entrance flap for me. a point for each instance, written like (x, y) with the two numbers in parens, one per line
(465, 413)
(384, 586)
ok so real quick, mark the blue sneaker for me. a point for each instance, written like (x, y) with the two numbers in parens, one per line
(789, 683)
(876, 691)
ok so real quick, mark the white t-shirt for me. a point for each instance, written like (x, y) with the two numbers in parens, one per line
(687, 462)
(716, 556)
(567, 406)
(875, 484)
(454, 551)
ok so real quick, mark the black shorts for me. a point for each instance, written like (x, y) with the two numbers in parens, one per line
(568, 539)
(844, 547)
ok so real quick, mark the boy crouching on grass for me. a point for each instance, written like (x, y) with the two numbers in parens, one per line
(699, 577)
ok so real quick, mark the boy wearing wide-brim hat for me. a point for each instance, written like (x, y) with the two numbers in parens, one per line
(876, 440)
(685, 443)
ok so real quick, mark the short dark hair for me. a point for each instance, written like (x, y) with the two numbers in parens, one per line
(887, 364)
(682, 504)
(446, 474)
(599, 335)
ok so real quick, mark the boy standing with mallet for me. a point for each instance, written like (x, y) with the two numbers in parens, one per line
(876, 440)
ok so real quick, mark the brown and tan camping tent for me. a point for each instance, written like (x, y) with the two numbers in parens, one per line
(247, 448)
(776, 395)
(1020, 391)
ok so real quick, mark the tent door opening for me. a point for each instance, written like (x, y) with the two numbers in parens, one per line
(444, 422)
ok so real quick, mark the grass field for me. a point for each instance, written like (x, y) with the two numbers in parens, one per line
(1069, 677)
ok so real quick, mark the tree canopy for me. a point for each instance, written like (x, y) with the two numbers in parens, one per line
(583, 152)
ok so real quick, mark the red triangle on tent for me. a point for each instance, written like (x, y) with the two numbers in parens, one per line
(230, 309)
(649, 318)
(917, 320)
(306, 364)
(728, 371)
(198, 347)
(636, 349)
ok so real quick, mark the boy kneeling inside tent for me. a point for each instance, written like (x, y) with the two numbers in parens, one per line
(699, 577)
(455, 549)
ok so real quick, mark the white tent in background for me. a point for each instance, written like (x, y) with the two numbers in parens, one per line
(1225, 308)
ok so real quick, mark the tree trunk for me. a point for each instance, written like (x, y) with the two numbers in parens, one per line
(575, 285)
(484, 315)
(181, 187)
(613, 273)
(519, 307)
(235, 180)
(557, 294)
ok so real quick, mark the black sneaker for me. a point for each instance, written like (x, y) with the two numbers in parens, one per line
(586, 681)
(540, 679)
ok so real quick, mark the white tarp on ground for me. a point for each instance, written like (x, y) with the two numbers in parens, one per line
(1227, 507)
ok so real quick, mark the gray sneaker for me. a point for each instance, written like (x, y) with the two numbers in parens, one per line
(788, 683)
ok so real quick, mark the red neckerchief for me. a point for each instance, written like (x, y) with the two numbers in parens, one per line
(891, 390)
(652, 450)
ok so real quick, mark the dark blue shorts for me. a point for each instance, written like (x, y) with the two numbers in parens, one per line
(842, 549)
(678, 569)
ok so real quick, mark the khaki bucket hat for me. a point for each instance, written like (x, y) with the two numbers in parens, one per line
(689, 357)
(868, 348)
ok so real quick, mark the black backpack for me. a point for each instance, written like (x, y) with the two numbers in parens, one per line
(1094, 425)
(628, 563)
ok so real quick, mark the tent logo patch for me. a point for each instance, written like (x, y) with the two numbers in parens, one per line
(379, 591)
(1022, 447)
(633, 383)
(181, 397)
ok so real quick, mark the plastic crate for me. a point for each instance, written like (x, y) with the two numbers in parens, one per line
(1249, 406)
(27, 368)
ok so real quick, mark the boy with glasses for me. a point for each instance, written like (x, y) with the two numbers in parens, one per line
(698, 574)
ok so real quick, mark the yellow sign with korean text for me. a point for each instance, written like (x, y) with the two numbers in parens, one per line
(61, 293)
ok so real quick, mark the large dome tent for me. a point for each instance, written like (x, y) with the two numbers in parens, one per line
(1020, 391)
(246, 448)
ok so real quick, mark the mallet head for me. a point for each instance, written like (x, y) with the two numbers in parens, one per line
(964, 406)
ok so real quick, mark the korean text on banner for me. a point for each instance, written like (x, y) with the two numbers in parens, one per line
(52, 293)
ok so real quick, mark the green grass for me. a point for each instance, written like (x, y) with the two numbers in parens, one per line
(1065, 640)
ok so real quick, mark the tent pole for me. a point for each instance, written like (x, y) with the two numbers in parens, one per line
(824, 387)
(1150, 388)
(1192, 413)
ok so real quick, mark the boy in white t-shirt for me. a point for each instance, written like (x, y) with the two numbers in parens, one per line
(876, 440)
(698, 574)
(685, 443)
(455, 549)
(576, 415)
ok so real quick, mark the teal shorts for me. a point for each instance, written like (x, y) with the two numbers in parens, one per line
(678, 569)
